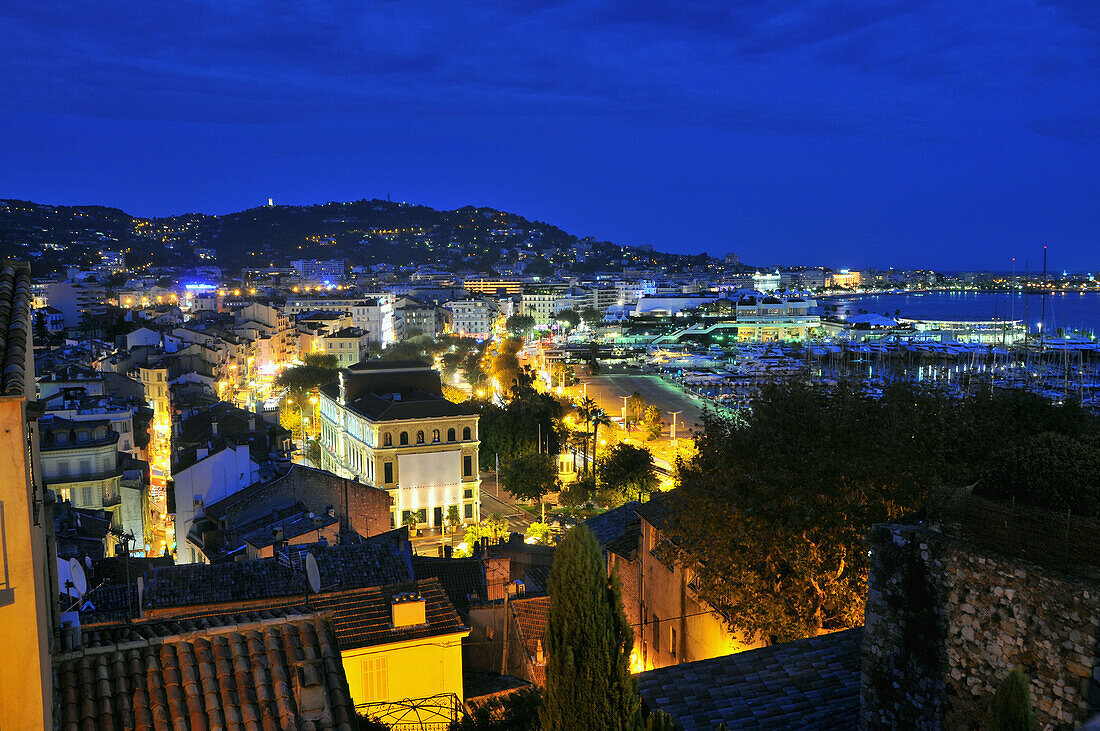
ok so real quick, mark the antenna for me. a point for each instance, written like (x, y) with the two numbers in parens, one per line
(77, 580)
(313, 574)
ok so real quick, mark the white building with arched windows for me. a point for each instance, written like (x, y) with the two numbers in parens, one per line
(387, 424)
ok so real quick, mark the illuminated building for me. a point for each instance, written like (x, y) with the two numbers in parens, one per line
(844, 278)
(388, 425)
(472, 318)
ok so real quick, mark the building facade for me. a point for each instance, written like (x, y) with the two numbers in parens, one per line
(389, 426)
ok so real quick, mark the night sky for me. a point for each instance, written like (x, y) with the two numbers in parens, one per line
(942, 134)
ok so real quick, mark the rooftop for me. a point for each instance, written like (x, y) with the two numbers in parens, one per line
(232, 674)
(617, 530)
(812, 683)
(15, 328)
(462, 578)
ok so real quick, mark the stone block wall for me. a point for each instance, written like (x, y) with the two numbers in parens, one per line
(946, 621)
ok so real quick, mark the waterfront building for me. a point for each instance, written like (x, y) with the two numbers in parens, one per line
(388, 425)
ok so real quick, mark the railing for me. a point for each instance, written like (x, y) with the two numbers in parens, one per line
(431, 713)
(60, 481)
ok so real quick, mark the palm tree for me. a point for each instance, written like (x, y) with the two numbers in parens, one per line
(586, 408)
(495, 523)
(599, 418)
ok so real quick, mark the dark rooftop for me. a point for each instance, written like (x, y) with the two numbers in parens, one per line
(617, 530)
(351, 566)
(812, 683)
(462, 578)
(15, 328)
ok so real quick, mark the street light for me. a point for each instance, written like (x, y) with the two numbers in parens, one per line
(673, 434)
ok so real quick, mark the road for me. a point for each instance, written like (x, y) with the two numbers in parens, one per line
(609, 388)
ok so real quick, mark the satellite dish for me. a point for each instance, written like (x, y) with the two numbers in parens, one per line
(77, 578)
(313, 574)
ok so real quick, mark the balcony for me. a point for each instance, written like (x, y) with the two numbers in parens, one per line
(63, 481)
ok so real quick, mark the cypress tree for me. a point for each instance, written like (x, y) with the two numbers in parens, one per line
(588, 644)
(1010, 709)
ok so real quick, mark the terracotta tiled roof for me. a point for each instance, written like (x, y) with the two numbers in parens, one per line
(531, 616)
(15, 328)
(362, 617)
(281, 674)
(811, 683)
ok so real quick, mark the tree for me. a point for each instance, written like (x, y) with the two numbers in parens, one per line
(660, 721)
(773, 510)
(590, 315)
(317, 369)
(530, 476)
(652, 423)
(578, 493)
(588, 643)
(454, 521)
(635, 408)
(597, 419)
(519, 324)
(626, 473)
(517, 711)
(1010, 709)
(495, 525)
(569, 318)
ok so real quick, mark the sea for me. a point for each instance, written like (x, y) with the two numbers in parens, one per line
(1069, 311)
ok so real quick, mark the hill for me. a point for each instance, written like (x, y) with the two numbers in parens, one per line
(363, 232)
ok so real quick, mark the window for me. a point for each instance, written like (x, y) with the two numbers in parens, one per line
(450, 435)
(466, 434)
(62, 469)
(85, 467)
(435, 436)
(656, 632)
(468, 510)
(467, 466)
(467, 494)
(86, 496)
(672, 641)
(387, 440)
(404, 438)
(420, 437)
(376, 678)
(388, 472)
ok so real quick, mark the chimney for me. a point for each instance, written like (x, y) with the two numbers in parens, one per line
(540, 656)
(214, 425)
(408, 610)
(251, 422)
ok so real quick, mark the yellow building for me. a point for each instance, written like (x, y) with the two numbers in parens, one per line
(676, 626)
(402, 648)
(388, 425)
(28, 567)
(844, 278)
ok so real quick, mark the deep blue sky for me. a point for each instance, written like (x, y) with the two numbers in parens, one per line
(945, 134)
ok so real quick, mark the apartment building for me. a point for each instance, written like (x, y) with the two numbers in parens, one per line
(387, 424)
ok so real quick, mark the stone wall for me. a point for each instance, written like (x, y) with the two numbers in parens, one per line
(947, 620)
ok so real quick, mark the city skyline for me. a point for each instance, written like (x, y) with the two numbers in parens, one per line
(905, 134)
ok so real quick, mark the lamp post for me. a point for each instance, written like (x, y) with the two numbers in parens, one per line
(673, 433)
(626, 427)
